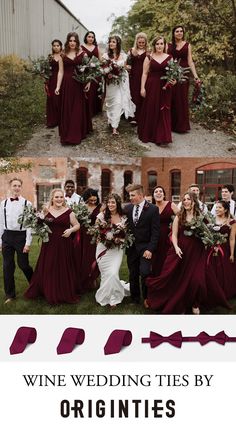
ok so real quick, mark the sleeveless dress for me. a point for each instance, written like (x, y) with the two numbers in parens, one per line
(135, 76)
(111, 290)
(180, 105)
(155, 120)
(95, 103)
(53, 100)
(164, 242)
(55, 276)
(118, 99)
(75, 117)
(221, 273)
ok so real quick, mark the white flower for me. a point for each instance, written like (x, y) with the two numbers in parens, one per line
(109, 235)
(40, 215)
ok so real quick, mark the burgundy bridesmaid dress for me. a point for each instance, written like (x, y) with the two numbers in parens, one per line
(180, 106)
(94, 101)
(85, 255)
(164, 242)
(155, 120)
(221, 273)
(53, 100)
(76, 121)
(135, 76)
(54, 277)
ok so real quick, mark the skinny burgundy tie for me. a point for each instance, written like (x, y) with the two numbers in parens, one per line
(117, 339)
(24, 336)
(70, 337)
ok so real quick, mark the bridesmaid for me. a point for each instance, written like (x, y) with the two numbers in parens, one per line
(221, 269)
(54, 277)
(137, 56)
(181, 50)
(85, 250)
(53, 85)
(167, 211)
(75, 118)
(118, 99)
(90, 47)
(155, 121)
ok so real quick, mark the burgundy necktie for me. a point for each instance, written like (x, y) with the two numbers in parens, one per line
(24, 335)
(70, 337)
(14, 199)
(117, 339)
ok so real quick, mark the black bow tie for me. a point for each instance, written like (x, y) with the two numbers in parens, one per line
(14, 199)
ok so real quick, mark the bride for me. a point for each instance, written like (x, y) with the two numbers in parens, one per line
(111, 291)
(118, 98)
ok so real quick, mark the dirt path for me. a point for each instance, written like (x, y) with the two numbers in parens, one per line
(199, 142)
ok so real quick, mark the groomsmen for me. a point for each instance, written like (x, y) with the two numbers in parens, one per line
(14, 238)
(70, 194)
(144, 223)
(227, 192)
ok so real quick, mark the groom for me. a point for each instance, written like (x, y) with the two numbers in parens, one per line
(144, 223)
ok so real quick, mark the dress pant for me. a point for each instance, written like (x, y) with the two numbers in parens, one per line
(14, 241)
(138, 267)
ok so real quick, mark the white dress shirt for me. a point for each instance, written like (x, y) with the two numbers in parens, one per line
(232, 209)
(141, 205)
(13, 210)
(75, 198)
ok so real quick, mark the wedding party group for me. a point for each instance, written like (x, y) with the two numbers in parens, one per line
(149, 86)
(180, 258)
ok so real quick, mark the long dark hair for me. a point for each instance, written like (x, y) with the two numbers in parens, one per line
(118, 46)
(90, 193)
(226, 206)
(155, 40)
(56, 41)
(173, 35)
(196, 209)
(107, 213)
(86, 35)
(76, 36)
(163, 190)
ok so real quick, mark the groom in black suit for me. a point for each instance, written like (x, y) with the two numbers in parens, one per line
(144, 223)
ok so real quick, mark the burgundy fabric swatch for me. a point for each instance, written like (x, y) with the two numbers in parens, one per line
(117, 339)
(70, 337)
(24, 335)
(177, 339)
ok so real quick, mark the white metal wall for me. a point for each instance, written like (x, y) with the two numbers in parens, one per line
(27, 27)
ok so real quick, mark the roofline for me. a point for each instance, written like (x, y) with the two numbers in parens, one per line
(68, 10)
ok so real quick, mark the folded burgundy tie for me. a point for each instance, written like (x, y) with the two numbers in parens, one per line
(117, 339)
(70, 337)
(24, 336)
(177, 339)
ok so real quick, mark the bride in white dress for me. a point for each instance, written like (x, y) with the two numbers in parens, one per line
(118, 98)
(112, 290)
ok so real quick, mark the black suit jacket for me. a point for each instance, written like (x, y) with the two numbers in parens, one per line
(147, 230)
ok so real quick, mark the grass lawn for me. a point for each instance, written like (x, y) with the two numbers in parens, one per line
(87, 303)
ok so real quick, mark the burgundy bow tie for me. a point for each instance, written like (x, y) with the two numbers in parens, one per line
(177, 339)
(14, 199)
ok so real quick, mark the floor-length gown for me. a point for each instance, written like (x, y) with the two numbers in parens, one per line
(155, 120)
(220, 271)
(85, 255)
(76, 121)
(55, 276)
(180, 104)
(118, 99)
(111, 290)
(53, 100)
(94, 101)
(164, 242)
(135, 76)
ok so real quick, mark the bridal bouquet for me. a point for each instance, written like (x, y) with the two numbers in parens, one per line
(112, 72)
(82, 214)
(174, 71)
(36, 221)
(199, 95)
(89, 70)
(111, 235)
(42, 67)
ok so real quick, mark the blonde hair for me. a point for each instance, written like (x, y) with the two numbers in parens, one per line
(139, 36)
(52, 193)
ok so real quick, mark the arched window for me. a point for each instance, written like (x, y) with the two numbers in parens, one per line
(105, 183)
(175, 183)
(128, 178)
(81, 179)
(152, 181)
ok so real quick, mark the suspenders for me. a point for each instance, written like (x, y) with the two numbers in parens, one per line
(5, 214)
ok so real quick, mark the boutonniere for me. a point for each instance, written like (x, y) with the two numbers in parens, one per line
(146, 205)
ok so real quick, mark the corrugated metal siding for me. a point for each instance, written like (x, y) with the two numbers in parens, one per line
(27, 27)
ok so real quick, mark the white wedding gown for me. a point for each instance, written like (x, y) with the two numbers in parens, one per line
(118, 98)
(112, 290)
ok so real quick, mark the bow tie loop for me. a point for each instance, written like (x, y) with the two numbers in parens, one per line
(157, 339)
(219, 338)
